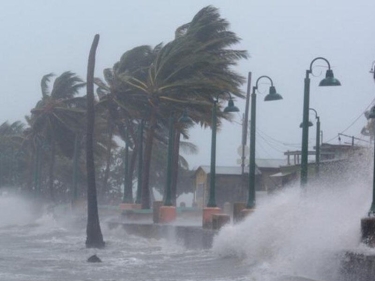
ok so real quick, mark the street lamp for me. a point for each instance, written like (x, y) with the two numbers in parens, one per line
(317, 145)
(272, 96)
(368, 223)
(371, 213)
(230, 108)
(330, 80)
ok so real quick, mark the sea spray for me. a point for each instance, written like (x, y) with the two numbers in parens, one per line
(14, 211)
(298, 231)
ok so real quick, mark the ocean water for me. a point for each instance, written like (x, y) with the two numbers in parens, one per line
(295, 232)
(48, 248)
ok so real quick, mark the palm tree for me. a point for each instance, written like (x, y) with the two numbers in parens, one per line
(57, 116)
(9, 147)
(187, 72)
(94, 237)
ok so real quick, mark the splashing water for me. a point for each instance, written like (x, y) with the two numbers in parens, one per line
(299, 232)
(14, 211)
(48, 246)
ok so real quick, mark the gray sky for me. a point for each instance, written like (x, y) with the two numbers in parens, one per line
(282, 37)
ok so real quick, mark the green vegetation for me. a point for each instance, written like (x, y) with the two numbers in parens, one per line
(45, 156)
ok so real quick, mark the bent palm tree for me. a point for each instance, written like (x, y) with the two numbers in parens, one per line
(190, 71)
(57, 116)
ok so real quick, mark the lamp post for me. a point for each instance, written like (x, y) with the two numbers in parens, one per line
(317, 145)
(372, 208)
(368, 223)
(329, 80)
(230, 108)
(272, 96)
(211, 207)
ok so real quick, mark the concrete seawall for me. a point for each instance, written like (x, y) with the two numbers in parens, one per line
(358, 266)
(191, 237)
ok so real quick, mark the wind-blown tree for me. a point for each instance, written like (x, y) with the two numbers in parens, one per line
(122, 114)
(57, 116)
(94, 237)
(109, 112)
(158, 174)
(190, 71)
(9, 150)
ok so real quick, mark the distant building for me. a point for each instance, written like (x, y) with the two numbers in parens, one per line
(272, 174)
(232, 185)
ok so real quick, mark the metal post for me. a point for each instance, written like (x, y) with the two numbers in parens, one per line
(140, 163)
(212, 200)
(305, 130)
(328, 81)
(372, 208)
(168, 187)
(245, 123)
(251, 195)
(317, 151)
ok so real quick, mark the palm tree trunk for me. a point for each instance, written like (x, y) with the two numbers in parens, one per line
(94, 237)
(176, 154)
(30, 172)
(108, 159)
(133, 161)
(76, 155)
(146, 204)
(134, 154)
(51, 170)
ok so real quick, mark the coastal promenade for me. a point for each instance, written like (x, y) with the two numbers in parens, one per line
(186, 230)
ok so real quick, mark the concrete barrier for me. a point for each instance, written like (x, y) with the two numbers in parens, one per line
(191, 237)
(237, 208)
(207, 216)
(219, 220)
(357, 266)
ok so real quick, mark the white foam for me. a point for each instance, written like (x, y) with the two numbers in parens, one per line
(299, 232)
(14, 211)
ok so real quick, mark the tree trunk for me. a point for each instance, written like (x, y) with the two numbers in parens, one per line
(176, 155)
(104, 190)
(146, 204)
(51, 170)
(133, 162)
(76, 156)
(94, 237)
(30, 164)
(134, 154)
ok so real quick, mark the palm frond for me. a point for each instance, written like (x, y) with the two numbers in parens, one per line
(44, 84)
